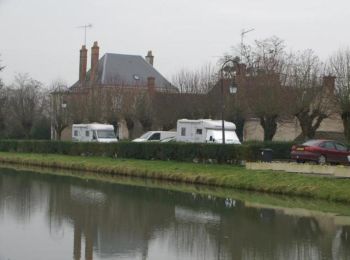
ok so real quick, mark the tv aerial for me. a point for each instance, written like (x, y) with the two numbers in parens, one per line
(85, 27)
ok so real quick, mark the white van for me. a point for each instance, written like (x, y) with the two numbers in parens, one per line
(154, 136)
(94, 132)
(205, 131)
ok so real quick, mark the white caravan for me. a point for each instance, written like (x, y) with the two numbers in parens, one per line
(205, 131)
(93, 133)
(154, 136)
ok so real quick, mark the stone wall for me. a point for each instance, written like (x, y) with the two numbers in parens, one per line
(288, 130)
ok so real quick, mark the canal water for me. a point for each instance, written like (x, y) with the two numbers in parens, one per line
(55, 217)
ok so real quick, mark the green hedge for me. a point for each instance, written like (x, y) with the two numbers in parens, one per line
(153, 151)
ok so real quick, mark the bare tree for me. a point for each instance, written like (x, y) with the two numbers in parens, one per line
(311, 100)
(24, 103)
(265, 92)
(144, 111)
(196, 82)
(60, 118)
(340, 67)
(266, 101)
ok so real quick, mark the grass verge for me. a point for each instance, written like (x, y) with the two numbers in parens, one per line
(216, 175)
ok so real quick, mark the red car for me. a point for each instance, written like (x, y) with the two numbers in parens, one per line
(322, 152)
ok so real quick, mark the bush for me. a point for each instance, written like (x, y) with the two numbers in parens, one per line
(186, 152)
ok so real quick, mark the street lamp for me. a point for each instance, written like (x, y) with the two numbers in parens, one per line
(232, 89)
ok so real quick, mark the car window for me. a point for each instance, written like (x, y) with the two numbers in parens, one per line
(340, 147)
(312, 143)
(327, 145)
(155, 136)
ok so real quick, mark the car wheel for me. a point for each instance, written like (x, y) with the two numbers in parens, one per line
(322, 160)
(300, 161)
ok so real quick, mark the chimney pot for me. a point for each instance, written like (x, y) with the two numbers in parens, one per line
(150, 57)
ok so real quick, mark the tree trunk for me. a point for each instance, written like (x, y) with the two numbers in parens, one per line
(58, 135)
(239, 122)
(130, 125)
(306, 130)
(309, 123)
(346, 122)
(269, 124)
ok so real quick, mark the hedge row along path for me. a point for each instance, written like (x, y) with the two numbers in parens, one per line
(217, 175)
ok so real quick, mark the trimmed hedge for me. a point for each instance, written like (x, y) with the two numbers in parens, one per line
(153, 150)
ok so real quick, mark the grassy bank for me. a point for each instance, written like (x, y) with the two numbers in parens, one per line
(255, 199)
(216, 175)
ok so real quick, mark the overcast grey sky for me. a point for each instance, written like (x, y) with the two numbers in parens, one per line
(40, 37)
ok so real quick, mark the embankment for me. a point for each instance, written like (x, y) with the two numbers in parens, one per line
(208, 174)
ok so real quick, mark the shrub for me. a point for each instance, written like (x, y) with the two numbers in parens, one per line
(186, 152)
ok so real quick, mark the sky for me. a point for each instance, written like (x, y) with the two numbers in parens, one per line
(42, 38)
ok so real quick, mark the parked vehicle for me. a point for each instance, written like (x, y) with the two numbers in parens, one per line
(321, 151)
(94, 132)
(155, 136)
(205, 131)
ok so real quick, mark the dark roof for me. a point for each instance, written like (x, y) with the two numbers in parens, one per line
(122, 69)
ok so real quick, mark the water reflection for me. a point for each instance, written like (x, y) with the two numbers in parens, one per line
(93, 220)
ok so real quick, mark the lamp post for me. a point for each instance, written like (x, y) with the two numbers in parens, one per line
(232, 90)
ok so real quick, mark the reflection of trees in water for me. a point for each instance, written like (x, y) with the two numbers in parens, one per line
(123, 222)
(115, 219)
(19, 198)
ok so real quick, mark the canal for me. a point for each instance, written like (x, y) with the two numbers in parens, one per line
(45, 216)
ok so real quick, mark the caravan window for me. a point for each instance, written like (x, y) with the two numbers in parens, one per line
(75, 132)
(106, 134)
(183, 131)
(199, 131)
(87, 133)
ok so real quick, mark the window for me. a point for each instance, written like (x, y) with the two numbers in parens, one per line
(183, 131)
(75, 132)
(105, 134)
(341, 147)
(313, 143)
(327, 145)
(199, 131)
(155, 136)
(87, 133)
(118, 102)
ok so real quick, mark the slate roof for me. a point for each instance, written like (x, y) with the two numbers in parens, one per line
(122, 69)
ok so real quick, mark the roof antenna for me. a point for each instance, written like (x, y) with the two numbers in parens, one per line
(244, 32)
(85, 26)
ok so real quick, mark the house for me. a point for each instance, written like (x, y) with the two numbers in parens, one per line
(113, 84)
(119, 70)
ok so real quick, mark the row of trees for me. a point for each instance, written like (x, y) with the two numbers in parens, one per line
(281, 85)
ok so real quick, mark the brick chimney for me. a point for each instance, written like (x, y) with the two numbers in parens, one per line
(151, 85)
(329, 83)
(94, 62)
(150, 57)
(82, 65)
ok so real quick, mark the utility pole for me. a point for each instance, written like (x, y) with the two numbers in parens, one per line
(244, 32)
(85, 26)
